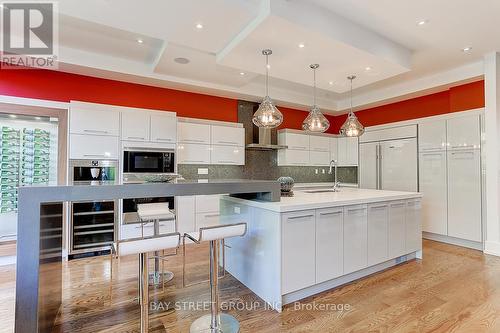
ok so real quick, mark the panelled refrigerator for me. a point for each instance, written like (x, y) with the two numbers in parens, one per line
(388, 160)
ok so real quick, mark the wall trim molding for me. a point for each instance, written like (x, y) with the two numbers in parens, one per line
(44, 103)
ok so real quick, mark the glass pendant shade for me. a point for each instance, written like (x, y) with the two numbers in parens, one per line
(352, 127)
(315, 120)
(267, 115)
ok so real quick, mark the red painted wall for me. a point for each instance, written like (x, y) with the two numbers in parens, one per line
(460, 98)
(59, 86)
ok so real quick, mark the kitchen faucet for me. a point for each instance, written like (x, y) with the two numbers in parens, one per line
(336, 184)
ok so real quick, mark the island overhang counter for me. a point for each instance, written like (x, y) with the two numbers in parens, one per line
(317, 240)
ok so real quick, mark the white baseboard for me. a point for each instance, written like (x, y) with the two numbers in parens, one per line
(453, 241)
(492, 248)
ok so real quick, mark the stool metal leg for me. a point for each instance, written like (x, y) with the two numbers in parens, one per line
(144, 291)
(215, 322)
(156, 277)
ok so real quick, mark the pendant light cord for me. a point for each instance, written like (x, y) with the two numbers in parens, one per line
(314, 90)
(267, 74)
(351, 78)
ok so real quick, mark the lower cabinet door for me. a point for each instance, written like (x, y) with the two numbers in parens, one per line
(93, 147)
(397, 229)
(185, 213)
(378, 217)
(298, 250)
(292, 157)
(355, 238)
(134, 230)
(413, 226)
(207, 220)
(329, 243)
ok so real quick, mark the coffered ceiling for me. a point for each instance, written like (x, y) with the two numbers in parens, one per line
(396, 48)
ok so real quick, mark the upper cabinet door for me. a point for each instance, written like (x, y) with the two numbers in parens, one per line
(432, 136)
(193, 133)
(334, 149)
(135, 125)
(163, 128)
(226, 135)
(464, 132)
(294, 141)
(319, 143)
(95, 119)
(348, 151)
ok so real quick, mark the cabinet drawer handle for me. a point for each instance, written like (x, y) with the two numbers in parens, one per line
(228, 142)
(212, 215)
(378, 207)
(193, 161)
(229, 162)
(297, 147)
(397, 205)
(354, 210)
(413, 203)
(136, 137)
(300, 217)
(94, 155)
(95, 131)
(193, 140)
(162, 139)
(464, 146)
(331, 213)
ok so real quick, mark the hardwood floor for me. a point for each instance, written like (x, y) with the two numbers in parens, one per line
(452, 290)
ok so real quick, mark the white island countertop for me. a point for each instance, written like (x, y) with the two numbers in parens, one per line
(303, 200)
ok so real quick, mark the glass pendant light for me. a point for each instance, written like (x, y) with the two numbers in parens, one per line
(315, 120)
(352, 127)
(267, 115)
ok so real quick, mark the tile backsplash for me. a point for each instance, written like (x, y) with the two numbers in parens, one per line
(263, 165)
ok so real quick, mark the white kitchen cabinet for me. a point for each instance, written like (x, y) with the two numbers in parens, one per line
(464, 132)
(193, 153)
(334, 149)
(93, 147)
(413, 226)
(292, 157)
(319, 143)
(193, 133)
(229, 155)
(355, 238)
(378, 231)
(329, 243)
(207, 220)
(347, 151)
(136, 230)
(208, 203)
(298, 250)
(319, 158)
(432, 136)
(397, 229)
(94, 119)
(227, 135)
(294, 141)
(464, 194)
(163, 128)
(399, 157)
(185, 213)
(434, 185)
(368, 165)
(135, 125)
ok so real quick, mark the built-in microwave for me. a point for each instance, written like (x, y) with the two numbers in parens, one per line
(149, 161)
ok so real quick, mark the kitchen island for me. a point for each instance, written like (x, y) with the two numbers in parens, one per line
(318, 240)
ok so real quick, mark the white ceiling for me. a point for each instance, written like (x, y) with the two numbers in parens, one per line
(99, 38)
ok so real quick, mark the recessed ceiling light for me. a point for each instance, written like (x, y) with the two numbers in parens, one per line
(242, 73)
(140, 41)
(467, 49)
(330, 83)
(268, 66)
(199, 26)
(302, 45)
(422, 22)
(182, 61)
(12, 116)
(368, 68)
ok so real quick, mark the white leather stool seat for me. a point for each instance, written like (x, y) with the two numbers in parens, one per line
(151, 244)
(218, 232)
(155, 211)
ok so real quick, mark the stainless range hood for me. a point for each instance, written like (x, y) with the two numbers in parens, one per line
(264, 141)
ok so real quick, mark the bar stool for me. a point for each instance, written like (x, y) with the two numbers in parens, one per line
(142, 246)
(215, 321)
(155, 212)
